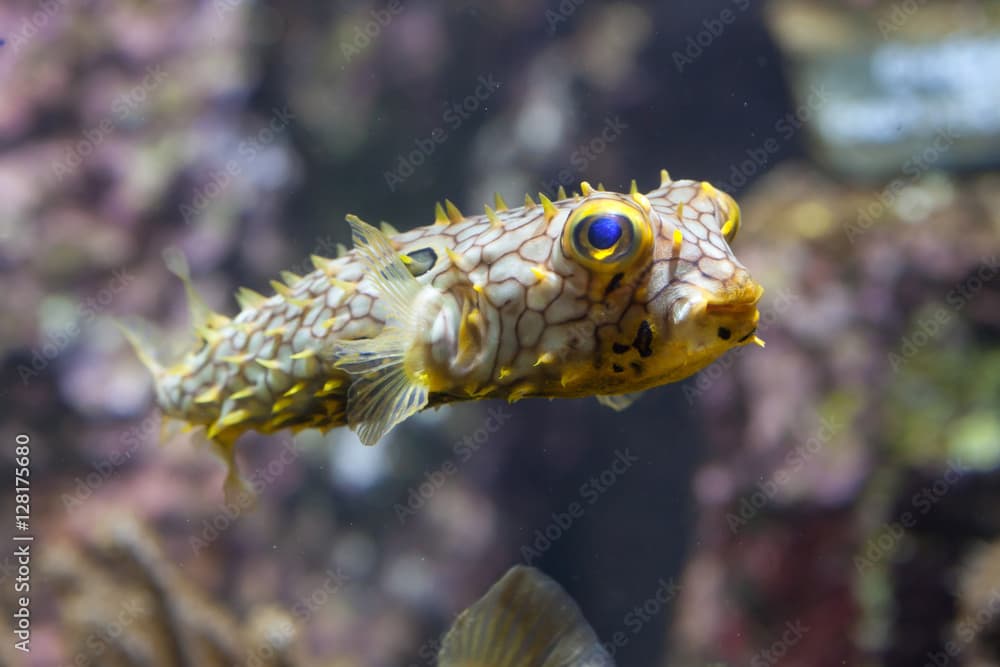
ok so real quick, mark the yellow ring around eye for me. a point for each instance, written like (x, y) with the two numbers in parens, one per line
(635, 240)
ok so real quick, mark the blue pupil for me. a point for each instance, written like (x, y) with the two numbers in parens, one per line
(605, 231)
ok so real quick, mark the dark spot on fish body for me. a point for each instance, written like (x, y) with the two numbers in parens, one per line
(644, 340)
(637, 367)
(617, 369)
(616, 280)
(620, 348)
(421, 261)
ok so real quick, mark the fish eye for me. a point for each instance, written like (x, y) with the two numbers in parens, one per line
(724, 333)
(605, 233)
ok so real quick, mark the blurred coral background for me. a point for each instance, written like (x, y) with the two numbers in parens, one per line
(831, 500)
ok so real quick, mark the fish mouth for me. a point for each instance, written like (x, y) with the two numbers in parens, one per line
(740, 301)
(740, 306)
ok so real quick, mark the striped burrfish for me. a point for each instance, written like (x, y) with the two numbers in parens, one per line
(597, 294)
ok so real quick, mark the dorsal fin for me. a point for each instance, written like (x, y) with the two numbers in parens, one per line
(201, 315)
(525, 620)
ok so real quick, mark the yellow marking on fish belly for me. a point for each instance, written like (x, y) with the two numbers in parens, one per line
(246, 392)
(331, 387)
(232, 419)
(520, 391)
(545, 358)
(210, 395)
(237, 359)
(295, 388)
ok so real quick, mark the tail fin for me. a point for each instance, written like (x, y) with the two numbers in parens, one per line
(525, 620)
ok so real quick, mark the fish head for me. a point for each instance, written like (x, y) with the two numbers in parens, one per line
(659, 266)
(703, 296)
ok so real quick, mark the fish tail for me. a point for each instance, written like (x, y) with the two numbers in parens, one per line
(526, 619)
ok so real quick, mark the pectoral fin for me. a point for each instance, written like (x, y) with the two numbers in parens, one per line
(619, 402)
(525, 619)
(385, 389)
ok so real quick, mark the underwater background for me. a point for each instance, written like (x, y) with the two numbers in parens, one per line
(833, 499)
